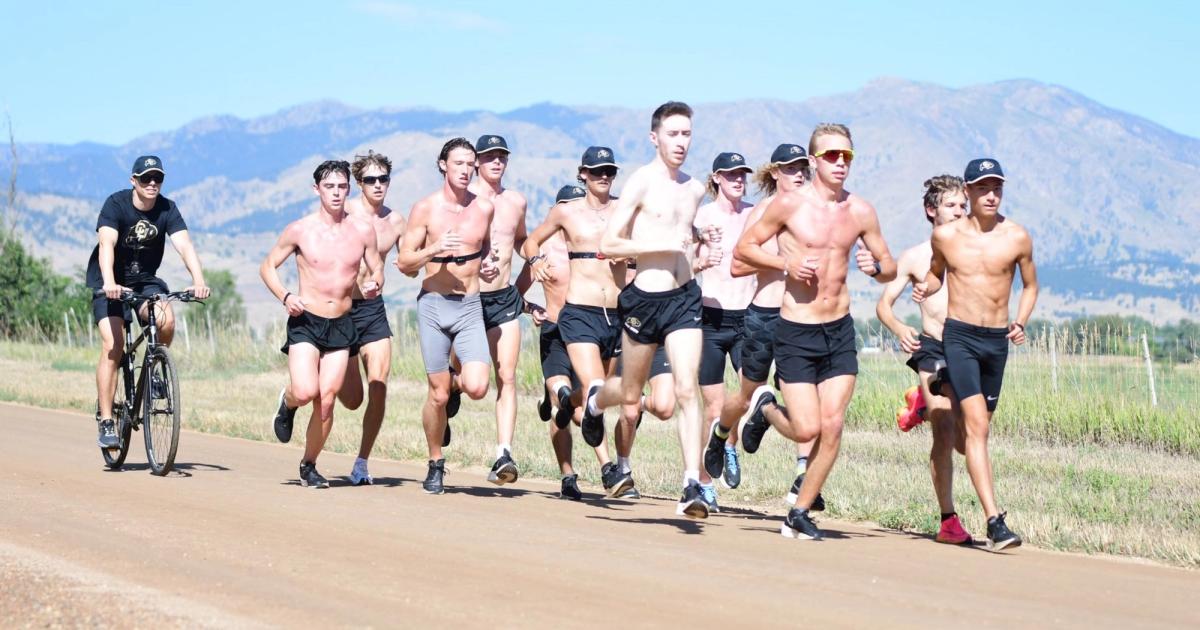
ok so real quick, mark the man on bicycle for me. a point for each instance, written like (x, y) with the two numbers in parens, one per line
(131, 231)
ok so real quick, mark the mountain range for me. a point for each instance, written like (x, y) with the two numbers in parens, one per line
(1109, 198)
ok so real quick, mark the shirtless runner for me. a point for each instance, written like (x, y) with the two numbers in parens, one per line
(501, 300)
(330, 248)
(448, 235)
(978, 257)
(587, 323)
(653, 223)
(373, 173)
(815, 355)
(723, 299)
(786, 172)
(944, 202)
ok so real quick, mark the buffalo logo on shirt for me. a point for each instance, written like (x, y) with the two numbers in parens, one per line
(141, 233)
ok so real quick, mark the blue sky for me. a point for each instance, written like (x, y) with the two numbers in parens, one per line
(74, 71)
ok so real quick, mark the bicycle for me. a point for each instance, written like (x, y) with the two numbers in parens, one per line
(147, 393)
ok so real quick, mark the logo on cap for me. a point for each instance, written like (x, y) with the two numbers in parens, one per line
(150, 162)
(735, 158)
(602, 153)
(493, 140)
(577, 190)
(795, 150)
(986, 166)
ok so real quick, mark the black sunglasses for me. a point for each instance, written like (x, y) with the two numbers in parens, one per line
(370, 180)
(603, 171)
(146, 178)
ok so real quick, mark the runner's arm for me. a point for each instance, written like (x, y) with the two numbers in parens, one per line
(269, 270)
(371, 257)
(749, 250)
(1029, 282)
(182, 243)
(887, 300)
(532, 246)
(932, 282)
(412, 253)
(872, 237)
(107, 253)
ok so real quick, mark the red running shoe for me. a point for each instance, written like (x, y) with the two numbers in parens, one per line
(952, 532)
(913, 413)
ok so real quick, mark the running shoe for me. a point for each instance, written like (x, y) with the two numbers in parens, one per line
(732, 477)
(799, 525)
(359, 475)
(310, 478)
(952, 532)
(999, 536)
(756, 425)
(615, 482)
(544, 407)
(108, 434)
(913, 413)
(565, 408)
(632, 493)
(433, 480)
(818, 504)
(593, 424)
(708, 492)
(570, 488)
(454, 401)
(283, 418)
(714, 453)
(504, 470)
(692, 504)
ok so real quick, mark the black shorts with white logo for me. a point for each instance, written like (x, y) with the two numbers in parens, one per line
(814, 353)
(327, 335)
(501, 306)
(591, 324)
(648, 317)
(723, 334)
(975, 359)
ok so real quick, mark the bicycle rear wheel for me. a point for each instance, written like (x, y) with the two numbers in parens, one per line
(114, 458)
(160, 422)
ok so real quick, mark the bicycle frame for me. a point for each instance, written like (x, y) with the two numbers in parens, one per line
(149, 334)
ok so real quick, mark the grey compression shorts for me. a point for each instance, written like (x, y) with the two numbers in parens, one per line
(451, 320)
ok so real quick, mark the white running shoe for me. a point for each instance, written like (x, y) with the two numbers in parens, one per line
(359, 476)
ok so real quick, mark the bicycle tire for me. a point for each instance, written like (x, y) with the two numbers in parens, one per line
(115, 458)
(161, 411)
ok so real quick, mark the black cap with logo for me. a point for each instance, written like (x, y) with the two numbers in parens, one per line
(570, 192)
(489, 142)
(147, 163)
(730, 162)
(982, 168)
(788, 153)
(596, 157)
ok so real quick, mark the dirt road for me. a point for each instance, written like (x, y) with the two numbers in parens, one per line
(232, 540)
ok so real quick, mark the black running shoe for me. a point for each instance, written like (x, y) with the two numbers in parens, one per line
(632, 493)
(709, 494)
(756, 424)
(692, 504)
(433, 481)
(615, 482)
(310, 478)
(732, 476)
(544, 407)
(593, 425)
(570, 488)
(798, 525)
(504, 470)
(108, 434)
(283, 418)
(999, 536)
(714, 453)
(565, 408)
(818, 504)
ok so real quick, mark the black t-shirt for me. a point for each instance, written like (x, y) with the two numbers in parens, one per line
(141, 237)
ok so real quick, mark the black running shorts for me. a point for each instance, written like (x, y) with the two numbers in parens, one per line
(501, 306)
(814, 353)
(649, 317)
(927, 356)
(659, 365)
(370, 320)
(722, 338)
(328, 335)
(555, 361)
(591, 324)
(975, 358)
(758, 342)
(102, 307)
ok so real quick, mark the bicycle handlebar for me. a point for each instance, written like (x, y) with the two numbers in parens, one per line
(129, 297)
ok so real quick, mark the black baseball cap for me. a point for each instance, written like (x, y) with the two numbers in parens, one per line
(596, 157)
(569, 192)
(730, 162)
(489, 142)
(982, 168)
(147, 163)
(788, 153)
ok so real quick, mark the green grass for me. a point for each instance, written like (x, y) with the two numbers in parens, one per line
(1088, 468)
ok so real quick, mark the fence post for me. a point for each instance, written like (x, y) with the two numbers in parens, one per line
(67, 327)
(1054, 359)
(212, 345)
(183, 328)
(1149, 370)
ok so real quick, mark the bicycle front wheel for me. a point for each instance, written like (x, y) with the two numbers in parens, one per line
(160, 422)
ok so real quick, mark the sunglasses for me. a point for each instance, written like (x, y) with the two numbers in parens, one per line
(371, 180)
(603, 171)
(832, 155)
(147, 178)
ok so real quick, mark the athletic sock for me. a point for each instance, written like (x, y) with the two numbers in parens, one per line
(722, 432)
(501, 449)
(360, 460)
(946, 515)
(801, 464)
(691, 475)
(623, 465)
